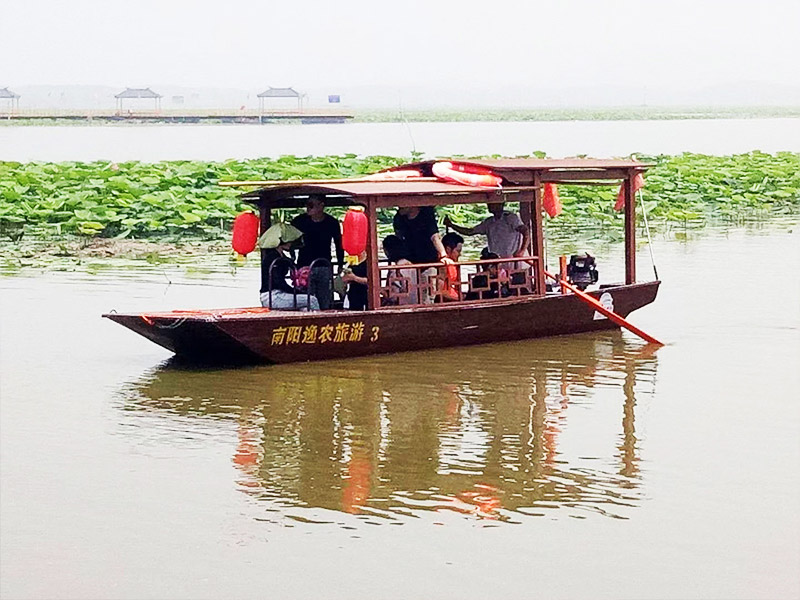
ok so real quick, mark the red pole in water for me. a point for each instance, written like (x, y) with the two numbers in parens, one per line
(604, 311)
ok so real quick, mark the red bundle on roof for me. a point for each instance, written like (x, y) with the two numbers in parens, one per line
(466, 174)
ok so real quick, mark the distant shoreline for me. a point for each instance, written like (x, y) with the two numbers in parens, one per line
(444, 115)
(644, 113)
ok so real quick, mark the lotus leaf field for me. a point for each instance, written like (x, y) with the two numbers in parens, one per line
(181, 200)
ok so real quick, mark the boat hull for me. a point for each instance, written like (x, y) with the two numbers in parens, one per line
(253, 336)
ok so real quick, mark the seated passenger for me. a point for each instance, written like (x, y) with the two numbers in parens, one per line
(275, 291)
(356, 280)
(418, 228)
(450, 274)
(402, 282)
(491, 276)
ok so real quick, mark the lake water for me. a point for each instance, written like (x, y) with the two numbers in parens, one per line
(572, 467)
(600, 139)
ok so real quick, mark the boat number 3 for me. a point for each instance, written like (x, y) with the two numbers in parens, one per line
(334, 333)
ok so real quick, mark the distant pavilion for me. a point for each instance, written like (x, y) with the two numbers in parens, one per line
(13, 98)
(138, 94)
(279, 93)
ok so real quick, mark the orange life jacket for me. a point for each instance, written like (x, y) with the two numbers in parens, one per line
(451, 283)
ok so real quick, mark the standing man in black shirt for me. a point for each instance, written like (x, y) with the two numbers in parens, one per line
(319, 230)
(417, 226)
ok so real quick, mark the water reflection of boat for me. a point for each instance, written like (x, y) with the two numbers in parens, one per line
(474, 317)
(482, 433)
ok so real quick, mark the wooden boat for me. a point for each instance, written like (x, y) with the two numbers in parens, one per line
(281, 336)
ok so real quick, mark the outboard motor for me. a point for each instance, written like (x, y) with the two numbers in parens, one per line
(582, 270)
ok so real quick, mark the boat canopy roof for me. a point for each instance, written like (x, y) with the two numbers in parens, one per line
(501, 164)
(382, 193)
(520, 175)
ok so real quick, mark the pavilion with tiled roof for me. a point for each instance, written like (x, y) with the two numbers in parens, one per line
(12, 97)
(272, 92)
(138, 94)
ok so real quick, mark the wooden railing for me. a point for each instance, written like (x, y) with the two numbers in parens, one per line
(428, 283)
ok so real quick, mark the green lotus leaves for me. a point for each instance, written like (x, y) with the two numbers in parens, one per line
(182, 198)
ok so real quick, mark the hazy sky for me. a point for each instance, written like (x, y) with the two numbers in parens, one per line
(305, 43)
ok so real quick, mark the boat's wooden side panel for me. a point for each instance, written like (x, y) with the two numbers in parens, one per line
(196, 340)
(291, 337)
(344, 334)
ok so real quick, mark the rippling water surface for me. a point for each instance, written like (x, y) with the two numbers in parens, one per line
(582, 466)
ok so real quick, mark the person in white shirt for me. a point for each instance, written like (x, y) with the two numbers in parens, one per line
(505, 232)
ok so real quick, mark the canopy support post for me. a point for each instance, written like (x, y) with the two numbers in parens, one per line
(525, 212)
(630, 228)
(537, 236)
(373, 275)
(265, 216)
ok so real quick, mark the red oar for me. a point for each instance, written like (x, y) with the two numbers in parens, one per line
(604, 311)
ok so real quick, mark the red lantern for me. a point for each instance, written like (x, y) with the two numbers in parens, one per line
(354, 231)
(245, 233)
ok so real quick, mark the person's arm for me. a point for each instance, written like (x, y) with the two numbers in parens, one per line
(397, 225)
(337, 242)
(353, 278)
(437, 243)
(526, 238)
(458, 228)
(432, 227)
